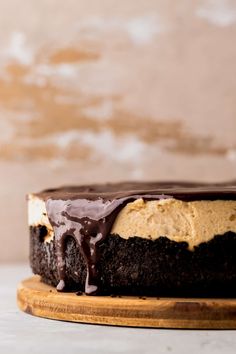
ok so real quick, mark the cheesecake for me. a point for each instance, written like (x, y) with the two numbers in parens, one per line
(136, 238)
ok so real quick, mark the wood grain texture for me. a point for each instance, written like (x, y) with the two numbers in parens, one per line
(41, 300)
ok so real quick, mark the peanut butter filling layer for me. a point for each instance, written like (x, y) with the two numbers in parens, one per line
(193, 222)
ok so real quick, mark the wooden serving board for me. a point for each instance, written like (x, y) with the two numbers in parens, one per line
(39, 299)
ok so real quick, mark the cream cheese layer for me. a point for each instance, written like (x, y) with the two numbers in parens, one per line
(193, 222)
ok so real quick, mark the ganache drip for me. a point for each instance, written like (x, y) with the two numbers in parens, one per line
(87, 214)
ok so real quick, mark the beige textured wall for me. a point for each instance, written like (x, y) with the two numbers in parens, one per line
(111, 90)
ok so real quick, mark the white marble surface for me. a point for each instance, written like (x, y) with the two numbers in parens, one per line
(21, 333)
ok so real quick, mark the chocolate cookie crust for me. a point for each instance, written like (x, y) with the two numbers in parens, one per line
(167, 268)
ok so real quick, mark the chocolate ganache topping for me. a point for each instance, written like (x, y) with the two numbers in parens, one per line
(87, 213)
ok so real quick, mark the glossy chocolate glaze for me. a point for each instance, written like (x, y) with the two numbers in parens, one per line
(87, 213)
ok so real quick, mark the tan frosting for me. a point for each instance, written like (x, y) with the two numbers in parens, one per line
(193, 222)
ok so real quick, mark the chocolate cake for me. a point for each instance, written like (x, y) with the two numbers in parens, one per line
(143, 239)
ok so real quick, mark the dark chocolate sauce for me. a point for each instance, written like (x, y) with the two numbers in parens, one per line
(87, 213)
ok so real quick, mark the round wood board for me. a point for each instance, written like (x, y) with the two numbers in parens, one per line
(39, 299)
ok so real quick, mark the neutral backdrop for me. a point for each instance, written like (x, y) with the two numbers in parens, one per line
(112, 90)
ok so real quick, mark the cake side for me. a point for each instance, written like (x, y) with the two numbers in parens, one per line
(133, 241)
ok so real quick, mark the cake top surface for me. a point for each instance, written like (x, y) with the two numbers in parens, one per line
(159, 190)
